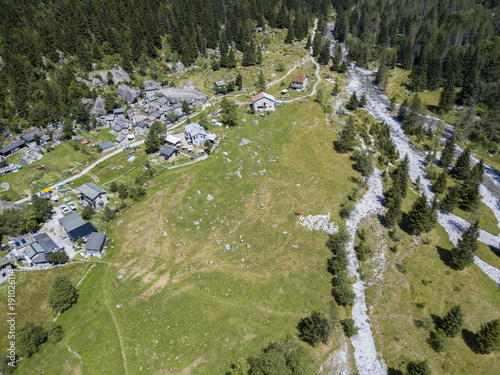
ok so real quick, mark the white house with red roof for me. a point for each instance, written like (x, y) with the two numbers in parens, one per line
(299, 82)
(263, 102)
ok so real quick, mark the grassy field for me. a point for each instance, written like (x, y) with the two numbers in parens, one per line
(246, 297)
(32, 290)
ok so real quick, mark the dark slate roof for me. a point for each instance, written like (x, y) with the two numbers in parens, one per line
(106, 144)
(46, 243)
(82, 231)
(30, 137)
(72, 221)
(142, 124)
(95, 242)
(34, 249)
(91, 190)
(167, 150)
(118, 111)
(13, 146)
(41, 258)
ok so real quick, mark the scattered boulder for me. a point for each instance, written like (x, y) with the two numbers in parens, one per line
(255, 122)
(294, 123)
(238, 174)
(164, 234)
(227, 247)
(244, 141)
(210, 198)
(178, 67)
(341, 111)
(188, 85)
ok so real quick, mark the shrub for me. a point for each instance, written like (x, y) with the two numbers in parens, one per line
(349, 327)
(62, 295)
(438, 341)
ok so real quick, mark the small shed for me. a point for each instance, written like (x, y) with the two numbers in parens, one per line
(95, 243)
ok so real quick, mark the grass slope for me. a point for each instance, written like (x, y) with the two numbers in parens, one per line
(178, 313)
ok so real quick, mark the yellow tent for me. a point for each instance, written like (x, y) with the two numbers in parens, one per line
(46, 190)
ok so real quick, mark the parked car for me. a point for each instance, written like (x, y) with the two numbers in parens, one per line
(19, 166)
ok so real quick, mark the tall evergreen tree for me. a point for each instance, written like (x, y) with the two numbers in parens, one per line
(447, 96)
(451, 200)
(308, 42)
(261, 82)
(420, 216)
(462, 256)
(440, 184)
(324, 55)
(448, 154)
(452, 322)
(461, 169)
(488, 337)
(393, 214)
(470, 196)
(290, 36)
(477, 172)
(231, 59)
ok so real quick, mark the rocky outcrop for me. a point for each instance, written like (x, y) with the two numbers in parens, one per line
(178, 67)
(119, 75)
(98, 108)
(128, 94)
(175, 96)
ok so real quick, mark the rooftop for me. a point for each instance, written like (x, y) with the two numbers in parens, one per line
(299, 78)
(263, 95)
(91, 190)
(96, 241)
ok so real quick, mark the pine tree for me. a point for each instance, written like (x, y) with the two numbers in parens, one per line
(470, 196)
(393, 214)
(448, 154)
(451, 200)
(477, 172)
(447, 97)
(314, 328)
(324, 55)
(353, 102)
(249, 55)
(470, 236)
(290, 36)
(317, 43)
(261, 83)
(308, 43)
(461, 169)
(416, 103)
(403, 110)
(363, 101)
(231, 59)
(462, 256)
(418, 368)
(438, 341)
(488, 337)
(452, 322)
(440, 184)
(420, 216)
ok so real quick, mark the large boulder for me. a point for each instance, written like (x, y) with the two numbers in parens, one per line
(98, 108)
(119, 75)
(178, 67)
(128, 94)
(175, 96)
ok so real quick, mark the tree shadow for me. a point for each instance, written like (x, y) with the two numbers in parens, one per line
(433, 108)
(437, 320)
(495, 250)
(469, 338)
(403, 224)
(393, 371)
(444, 255)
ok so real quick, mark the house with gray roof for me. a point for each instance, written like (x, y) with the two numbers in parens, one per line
(14, 147)
(167, 152)
(72, 221)
(95, 244)
(93, 195)
(29, 138)
(195, 134)
(106, 146)
(218, 85)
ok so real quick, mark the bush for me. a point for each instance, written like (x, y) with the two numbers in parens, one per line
(59, 257)
(29, 339)
(346, 209)
(342, 289)
(362, 251)
(418, 368)
(62, 295)
(314, 328)
(349, 327)
(438, 341)
(55, 333)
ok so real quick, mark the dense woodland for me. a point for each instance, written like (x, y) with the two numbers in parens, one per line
(45, 45)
